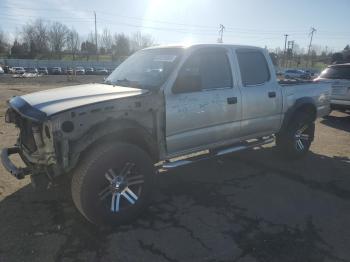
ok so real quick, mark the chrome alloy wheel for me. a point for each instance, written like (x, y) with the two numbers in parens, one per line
(124, 188)
(301, 138)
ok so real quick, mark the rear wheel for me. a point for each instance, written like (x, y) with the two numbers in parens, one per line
(296, 139)
(112, 184)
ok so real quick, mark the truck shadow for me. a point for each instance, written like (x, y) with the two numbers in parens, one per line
(237, 207)
(338, 121)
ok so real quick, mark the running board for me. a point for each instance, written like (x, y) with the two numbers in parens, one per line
(212, 154)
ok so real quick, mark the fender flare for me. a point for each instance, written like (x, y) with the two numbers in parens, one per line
(111, 129)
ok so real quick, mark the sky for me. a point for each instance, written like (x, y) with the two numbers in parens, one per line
(259, 23)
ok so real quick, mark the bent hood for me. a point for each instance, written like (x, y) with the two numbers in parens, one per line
(53, 101)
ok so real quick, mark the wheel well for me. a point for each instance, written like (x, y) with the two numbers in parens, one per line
(308, 109)
(122, 131)
(131, 135)
(136, 137)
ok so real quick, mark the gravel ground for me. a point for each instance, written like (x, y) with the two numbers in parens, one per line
(250, 206)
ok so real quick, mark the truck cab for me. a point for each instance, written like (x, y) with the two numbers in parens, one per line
(209, 101)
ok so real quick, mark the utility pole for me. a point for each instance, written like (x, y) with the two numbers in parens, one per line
(221, 33)
(285, 49)
(96, 36)
(290, 52)
(313, 30)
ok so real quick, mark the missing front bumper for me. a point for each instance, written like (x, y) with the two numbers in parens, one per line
(17, 172)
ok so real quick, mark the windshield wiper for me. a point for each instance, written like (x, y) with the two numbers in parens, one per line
(121, 81)
(126, 82)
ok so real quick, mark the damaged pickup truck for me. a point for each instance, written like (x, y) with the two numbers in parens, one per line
(156, 110)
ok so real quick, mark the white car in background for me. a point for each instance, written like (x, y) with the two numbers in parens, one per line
(1, 71)
(339, 76)
(18, 70)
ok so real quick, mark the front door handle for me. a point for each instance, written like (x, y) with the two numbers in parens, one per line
(272, 94)
(232, 100)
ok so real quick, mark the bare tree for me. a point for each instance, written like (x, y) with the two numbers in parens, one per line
(139, 41)
(88, 48)
(121, 46)
(35, 35)
(106, 40)
(73, 42)
(58, 33)
(3, 42)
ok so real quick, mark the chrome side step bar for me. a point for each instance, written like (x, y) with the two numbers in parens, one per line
(213, 154)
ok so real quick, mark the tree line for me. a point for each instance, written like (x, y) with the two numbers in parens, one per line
(317, 57)
(40, 39)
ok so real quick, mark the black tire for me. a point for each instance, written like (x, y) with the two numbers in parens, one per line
(288, 140)
(96, 176)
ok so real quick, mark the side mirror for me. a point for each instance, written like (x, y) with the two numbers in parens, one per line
(187, 83)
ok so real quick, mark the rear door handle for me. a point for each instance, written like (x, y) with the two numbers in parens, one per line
(232, 100)
(272, 94)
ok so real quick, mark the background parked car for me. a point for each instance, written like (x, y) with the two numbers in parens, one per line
(296, 74)
(6, 69)
(43, 70)
(89, 71)
(79, 70)
(339, 76)
(1, 71)
(56, 70)
(67, 71)
(18, 70)
(110, 70)
(313, 73)
(31, 70)
(101, 71)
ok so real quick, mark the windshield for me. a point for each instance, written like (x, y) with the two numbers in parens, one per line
(336, 72)
(146, 69)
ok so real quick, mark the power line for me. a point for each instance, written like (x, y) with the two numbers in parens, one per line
(181, 28)
(203, 27)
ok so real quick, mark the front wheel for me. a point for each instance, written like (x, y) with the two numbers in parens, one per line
(296, 139)
(112, 183)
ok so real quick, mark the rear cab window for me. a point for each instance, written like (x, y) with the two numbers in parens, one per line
(253, 67)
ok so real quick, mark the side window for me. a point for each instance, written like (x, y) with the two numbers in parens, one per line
(192, 65)
(215, 70)
(253, 67)
(204, 70)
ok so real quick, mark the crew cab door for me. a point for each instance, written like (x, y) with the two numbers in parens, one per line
(261, 94)
(203, 106)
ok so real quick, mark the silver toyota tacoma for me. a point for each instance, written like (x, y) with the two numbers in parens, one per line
(162, 108)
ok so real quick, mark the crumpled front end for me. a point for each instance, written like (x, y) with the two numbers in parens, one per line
(35, 142)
